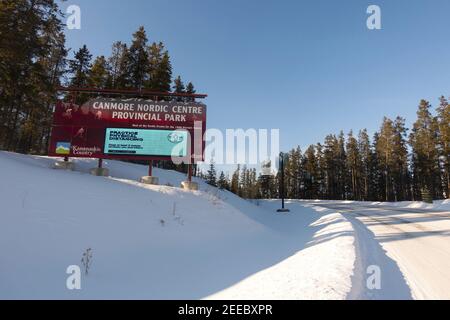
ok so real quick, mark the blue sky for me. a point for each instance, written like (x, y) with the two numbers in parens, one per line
(308, 68)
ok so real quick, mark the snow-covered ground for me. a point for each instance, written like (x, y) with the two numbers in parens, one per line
(160, 242)
(311, 273)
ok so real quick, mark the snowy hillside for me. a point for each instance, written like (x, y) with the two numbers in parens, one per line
(159, 242)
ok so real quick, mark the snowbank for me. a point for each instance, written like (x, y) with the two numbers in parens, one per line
(159, 242)
(307, 274)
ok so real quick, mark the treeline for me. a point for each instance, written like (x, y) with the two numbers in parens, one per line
(34, 61)
(392, 166)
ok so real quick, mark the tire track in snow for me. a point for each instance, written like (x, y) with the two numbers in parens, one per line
(370, 252)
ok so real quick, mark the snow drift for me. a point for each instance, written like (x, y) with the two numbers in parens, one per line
(159, 242)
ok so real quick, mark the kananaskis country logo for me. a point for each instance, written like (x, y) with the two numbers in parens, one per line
(63, 148)
(175, 137)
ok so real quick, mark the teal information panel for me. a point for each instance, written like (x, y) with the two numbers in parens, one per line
(143, 142)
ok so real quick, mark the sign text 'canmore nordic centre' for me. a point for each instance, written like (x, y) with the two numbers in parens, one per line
(128, 129)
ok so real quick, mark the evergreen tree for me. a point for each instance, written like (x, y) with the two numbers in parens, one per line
(354, 165)
(365, 152)
(222, 183)
(99, 76)
(321, 168)
(341, 166)
(79, 67)
(311, 173)
(139, 59)
(385, 151)
(244, 183)
(293, 174)
(190, 90)
(424, 143)
(400, 169)
(211, 175)
(443, 121)
(178, 87)
(159, 68)
(118, 64)
(235, 181)
(378, 190)
(253, 185)
(32, 57)
(330, 152)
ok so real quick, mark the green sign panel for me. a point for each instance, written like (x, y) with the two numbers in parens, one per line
(142, 142)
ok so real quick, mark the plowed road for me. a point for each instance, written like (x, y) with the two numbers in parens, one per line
(417, 240)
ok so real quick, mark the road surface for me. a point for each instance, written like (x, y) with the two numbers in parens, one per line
(415, 242)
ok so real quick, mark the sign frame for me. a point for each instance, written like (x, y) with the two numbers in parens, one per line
(63, 135)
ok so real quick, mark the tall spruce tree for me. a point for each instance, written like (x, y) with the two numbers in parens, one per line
(443, 121)
(311, 173)
(235, 181)
(365, 152)
(119, 65)
(79, 67)
(159, 68)
(424, 144)
(400, 167)
(211, 175)
(222, 182)
(354, 165)
(190, 89)
(139, 59)
(178, 87)
(99, 76)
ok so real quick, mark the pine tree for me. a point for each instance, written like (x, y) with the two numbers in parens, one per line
(235, 181)
(424, 143)
(190, 90)
(443, 121)
(139, 59)
(365, 152)
(385, 150)
(293, 174)
(377, 190)
(265, 185)
(164, 73)
(79, 67)
(118, 64)
(222, 183)
(179, 87)
(330, 152)
(99, 76)
(159, 68)
(243, 183)
(341, 166)
(311, 173)
(354, 165)
(400, 167)
(211, 175)
(32, 56)
(253, 185)
(321, 168)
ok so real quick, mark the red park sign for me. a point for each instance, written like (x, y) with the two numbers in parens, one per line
(133, 129)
